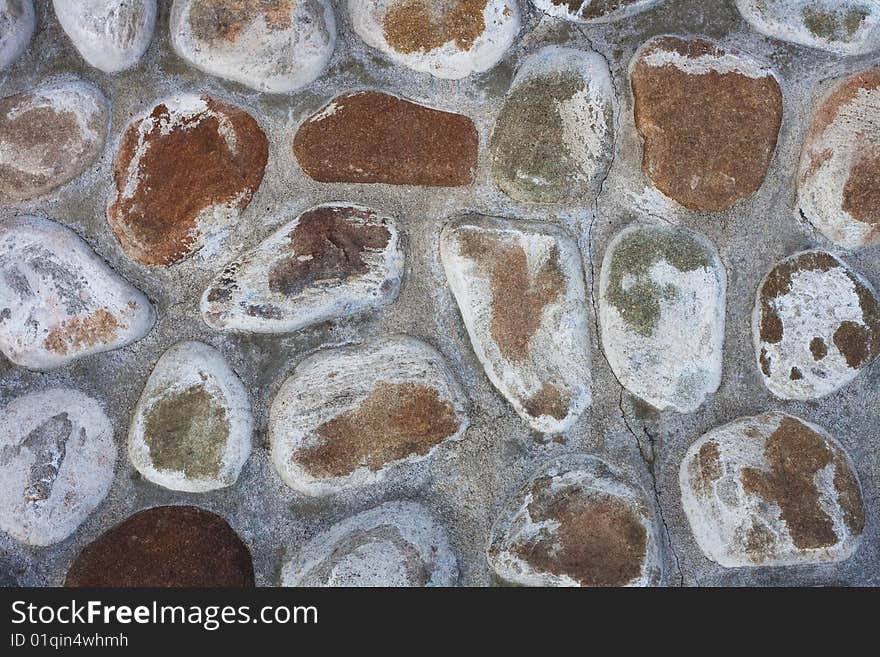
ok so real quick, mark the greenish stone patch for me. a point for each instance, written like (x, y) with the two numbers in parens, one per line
(833, 25)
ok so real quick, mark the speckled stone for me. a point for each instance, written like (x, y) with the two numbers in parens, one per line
(593, 11)
(17, 24)
(771, 490)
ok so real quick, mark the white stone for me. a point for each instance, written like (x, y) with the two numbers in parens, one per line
(397, 544)
(192, 426)
(662, 312)
(593, 11)
(275, 47)
(17, 24)
(111, 35)
(452, 47)
(59, 301)
(520, 288)
(57, 456)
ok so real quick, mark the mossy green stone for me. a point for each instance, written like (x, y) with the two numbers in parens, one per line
(832, 25)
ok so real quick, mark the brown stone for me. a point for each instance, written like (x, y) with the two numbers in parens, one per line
(422, 26)
(372, 137)
(223, 20)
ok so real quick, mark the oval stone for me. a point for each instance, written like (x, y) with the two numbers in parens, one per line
(274, 46)
(49, 136)
(771, 490)
(397, 544)
(840, 165)
(554, 137)
(347, 416)
(165, 547)
(816, 325)
(662, 308)
(57, 456)
(593, 11)
(111, 35)
(446, 39)
(183, 174)
(372, 137)
(709, 121)
(520, 289)
(331, 262)
(577, 522)
(59, 300)
(191, 429)
(17, 24)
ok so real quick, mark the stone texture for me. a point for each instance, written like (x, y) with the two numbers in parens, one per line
(49, 136)
(771, 490)
(372, 137)
(593, 11)
(191, 429)
(17, 24)
(709, 120)
(844, 27)
(348, 416)
(662, 308)
(273, 46)
(59, 301)
(111, 35)
(396, 544)
(57, 456)
(520, 289)
(331, 262)
(577, 522)
(184, 173)
(554, 137)
(450, 39)
(840, 164)
(165, 547)
(816, 325)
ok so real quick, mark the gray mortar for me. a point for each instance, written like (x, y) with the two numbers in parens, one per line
(467, 482)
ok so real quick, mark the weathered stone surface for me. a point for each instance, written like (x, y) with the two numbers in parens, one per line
(554, 138)
(59, 301)
(49, 136)
(816, 325)
(274, 46)
(56, 464)
(347, 416)
(17, 24)
(396, 544)
(191, 429)
(184, 173)
(709, 121)
(111, 35)
(771, 490)
(840, 165)
(449, 39)
(372, 137)
(662, 311)
(520, 288)
(845, 27)
(593, 11)
(332, 261)
(577, 522)
(166, 546)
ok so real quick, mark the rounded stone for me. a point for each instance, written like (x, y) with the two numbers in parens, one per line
(771, 490)
(17, 24)
(273, 46)
(577, 522)
(816, 325)
(111, 35)
(192, 425)
(348, 416)
(331, 262)
(183, 174)
(57, 456)
(709, 121)
(840, 165)
(662, 308)
(520, 288)
(49, 136)
(397, 544)
(553, 139)
(451, 39)
(593, 11)
(59, 300)
(844, 27)
(165, 547)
